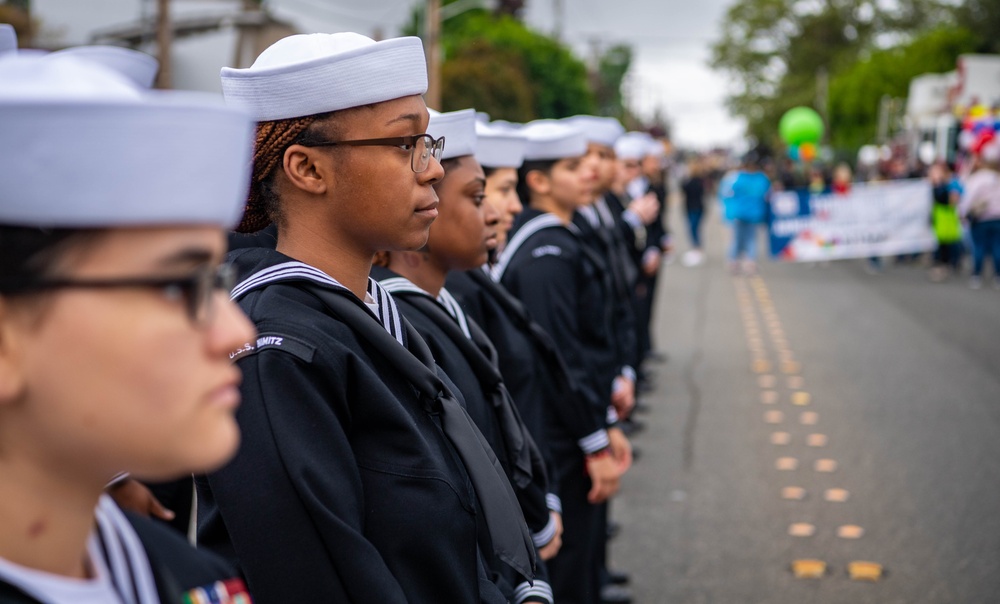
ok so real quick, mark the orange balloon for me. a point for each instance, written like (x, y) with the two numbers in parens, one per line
(807, 151)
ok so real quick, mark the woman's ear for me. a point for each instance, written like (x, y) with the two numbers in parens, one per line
(11, 370)
(307, 168)
(538, 182)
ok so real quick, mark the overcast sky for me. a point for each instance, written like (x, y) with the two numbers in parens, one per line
(671, 42)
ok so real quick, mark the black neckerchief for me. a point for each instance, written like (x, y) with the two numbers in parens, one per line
(478, 351)
(508, 531)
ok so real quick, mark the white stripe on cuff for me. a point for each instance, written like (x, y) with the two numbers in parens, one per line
(632, 219)
(547, 534)
(612, 416)
(554, 503)
(629, 372)
(540, 589)
(594, 442)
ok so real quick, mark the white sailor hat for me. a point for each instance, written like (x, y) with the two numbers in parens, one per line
(82, 147)
(506, 126)
(8, 38)
(654, 148)
(306, 74)
(553, 140)
(136, 66)
(499, 148)
(601, 130)
(458, 129)
(633, 146)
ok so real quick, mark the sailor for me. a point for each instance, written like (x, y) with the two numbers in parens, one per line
(637, 204)
(602, 230)
(115, 327)
(555, 275)
(557, 414)
(460, 239)
(361, 477)
(170, 501)
(643, 157)
(137, 66)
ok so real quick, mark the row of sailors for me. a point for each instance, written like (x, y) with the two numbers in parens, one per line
(439, 427)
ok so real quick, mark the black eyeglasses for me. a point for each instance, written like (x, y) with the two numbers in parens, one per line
(195, 289)
(420, 146)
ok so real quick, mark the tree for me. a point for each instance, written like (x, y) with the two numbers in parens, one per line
(774, 49)
(982, 17)
(491, 80)
(856, 91)
(512, 8)
(548, 75)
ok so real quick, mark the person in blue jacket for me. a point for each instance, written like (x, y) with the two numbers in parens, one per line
(743, 193)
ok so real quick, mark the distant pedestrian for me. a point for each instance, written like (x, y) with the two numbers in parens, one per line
(946, 222)
(842, 179)
(694, 188)
(980, 206)
(744, 196)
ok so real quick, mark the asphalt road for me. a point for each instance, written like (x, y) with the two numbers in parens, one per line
(903, 378)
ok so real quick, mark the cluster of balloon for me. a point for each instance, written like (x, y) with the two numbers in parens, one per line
(801, 128)
(979, 127)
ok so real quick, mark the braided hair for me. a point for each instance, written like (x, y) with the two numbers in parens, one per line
(273, 139)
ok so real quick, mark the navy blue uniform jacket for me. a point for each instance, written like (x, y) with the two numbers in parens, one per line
(345, 488)
(554, 276)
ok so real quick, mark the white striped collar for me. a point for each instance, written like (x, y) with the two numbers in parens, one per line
(445, 299)
(604, 212)
(455, 310)
(387, 315)
(125, 556)
(590, 215)
(542, 221)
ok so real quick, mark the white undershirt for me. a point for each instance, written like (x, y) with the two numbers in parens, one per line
(57, 589)
(371, 303)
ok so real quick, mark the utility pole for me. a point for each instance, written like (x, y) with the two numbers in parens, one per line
(559, 13)
(164, 39)
(432, 39)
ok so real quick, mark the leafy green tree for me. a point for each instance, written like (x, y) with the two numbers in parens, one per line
(774, 49)
(514, 8)
(557, 80)
(982, 17)
(548, 75)
(856, 91)
(490, 79)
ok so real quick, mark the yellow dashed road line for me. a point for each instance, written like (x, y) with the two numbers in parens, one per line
(747, 291)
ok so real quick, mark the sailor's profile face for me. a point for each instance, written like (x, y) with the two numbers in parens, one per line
(606, 166)
(501, 193)
(379, 200)
(129, 377)
(573, 181)
(466, 228)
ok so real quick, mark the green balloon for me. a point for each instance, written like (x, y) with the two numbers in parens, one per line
(800, 125)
